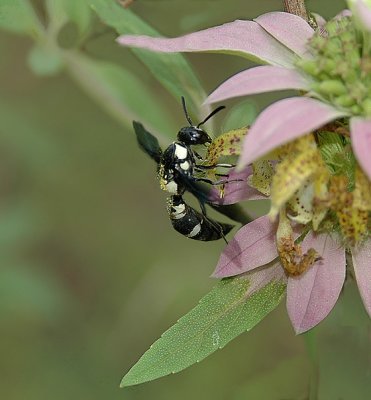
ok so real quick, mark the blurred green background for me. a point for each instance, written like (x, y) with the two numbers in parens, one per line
(91, 270)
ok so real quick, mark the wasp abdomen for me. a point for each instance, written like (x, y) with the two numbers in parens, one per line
(193, 224)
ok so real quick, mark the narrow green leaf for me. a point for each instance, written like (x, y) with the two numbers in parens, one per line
(79, 12)
(120, 92)
(227, 311)
(18, 16)
(172, 70)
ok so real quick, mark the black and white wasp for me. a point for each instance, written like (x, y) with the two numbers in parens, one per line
(179, 171)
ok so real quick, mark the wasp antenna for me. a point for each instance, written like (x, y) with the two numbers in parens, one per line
(186, 112)
(210, 115)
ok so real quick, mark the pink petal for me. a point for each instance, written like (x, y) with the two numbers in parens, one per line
(247, 38)
(252, 246)
(311, 296)
(289, 29)
(262, 277)
(363, 13)
(282, 122)
(343, 13)
(362, 267)
(258, 80)
(360, 129)
(235, 192)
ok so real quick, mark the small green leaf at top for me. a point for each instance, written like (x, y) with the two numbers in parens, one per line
(61, 12)
(18, 16)
(242, 114)
(232, 307)
(171, 70)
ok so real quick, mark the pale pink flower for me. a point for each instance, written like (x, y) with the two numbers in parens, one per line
(310, 296)
(280, 40)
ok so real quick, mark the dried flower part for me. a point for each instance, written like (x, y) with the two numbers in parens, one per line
(292, 258)
(342, 81)
(261, 177)
(227, 144)
(352, 220)
(301, 160)
(362, 191)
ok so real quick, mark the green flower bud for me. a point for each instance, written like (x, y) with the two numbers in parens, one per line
(344, 101)
(332, 86)
(366, 105)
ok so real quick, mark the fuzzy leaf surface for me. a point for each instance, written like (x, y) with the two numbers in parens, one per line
(233, 306)
(18, 16)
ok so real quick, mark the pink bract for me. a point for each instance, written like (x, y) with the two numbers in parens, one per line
(278, 39)
(310, 296)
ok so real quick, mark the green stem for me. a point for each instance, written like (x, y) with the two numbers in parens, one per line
(311, 344)
(339, 349)
(296, 7)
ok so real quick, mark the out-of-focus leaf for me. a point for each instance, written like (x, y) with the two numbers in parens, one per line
(18, 16)
(25, 294)
(172, 70)
(242, 114)
(29, 143)
(120, 92)
(19, 224)
(45, 60)
(231, 308)
(344, 348)
(287, 380)
(79, 12)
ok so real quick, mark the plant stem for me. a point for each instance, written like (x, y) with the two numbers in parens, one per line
(296, 7)
(339, 349)
(311, 344)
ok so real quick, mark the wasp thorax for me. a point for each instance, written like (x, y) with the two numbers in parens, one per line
(341, 67)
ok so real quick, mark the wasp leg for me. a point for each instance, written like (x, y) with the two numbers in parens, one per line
(203, 208)
(216, 183)
(197, 166)
(217, 227)
(197, 155)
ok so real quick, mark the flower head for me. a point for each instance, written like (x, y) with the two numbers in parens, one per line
(316, 148)
(299, 58)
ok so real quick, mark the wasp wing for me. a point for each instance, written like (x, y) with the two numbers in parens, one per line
(147, 142)
(233, 211)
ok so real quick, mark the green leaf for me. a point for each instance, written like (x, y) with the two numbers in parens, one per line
(18, 16)
(242, 114)
(120, 92)
(79, 12)
(172, 70)
(227, 311)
